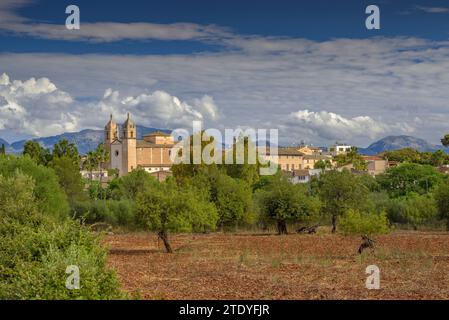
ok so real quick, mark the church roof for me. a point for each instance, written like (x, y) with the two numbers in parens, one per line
(116, 141)
(146, 144)
(157, 133)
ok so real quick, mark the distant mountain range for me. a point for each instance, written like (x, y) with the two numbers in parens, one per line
(85, 140)
(400, 142)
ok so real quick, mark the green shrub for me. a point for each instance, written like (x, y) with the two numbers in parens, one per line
(36, 249)
(114, 212)
(50, 198)
(413, 209)
(356, 222)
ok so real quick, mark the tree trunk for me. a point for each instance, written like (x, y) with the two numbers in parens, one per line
(282, 227)
(334, 223)
(164, 236)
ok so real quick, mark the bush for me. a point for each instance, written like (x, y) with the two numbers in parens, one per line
(414, 209)
(114, 212)
(35, 250)
(33, 264)
(356, 222)
(49, 196)
(233, 200)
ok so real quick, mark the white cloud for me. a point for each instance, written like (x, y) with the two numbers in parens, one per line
(34, 106)
(389, 80)
(432, 9)
(332, 126)
(37, 107)
(158, 109)
(104, 31)
(112, 31)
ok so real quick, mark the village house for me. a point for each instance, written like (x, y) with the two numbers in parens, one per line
(375, 165)
(309, 161)
(288, 158)
(338, 149)
(310, 150)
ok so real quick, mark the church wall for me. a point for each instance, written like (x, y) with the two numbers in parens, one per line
(147, 156)
(116, 158)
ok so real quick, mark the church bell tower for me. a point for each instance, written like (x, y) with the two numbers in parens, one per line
(129, 145)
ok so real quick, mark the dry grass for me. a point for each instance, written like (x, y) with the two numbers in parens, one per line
(413, 265)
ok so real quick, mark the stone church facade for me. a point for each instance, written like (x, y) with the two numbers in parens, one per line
(128, 153)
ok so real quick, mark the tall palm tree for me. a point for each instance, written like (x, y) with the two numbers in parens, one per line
(91, 163)
(102, 157)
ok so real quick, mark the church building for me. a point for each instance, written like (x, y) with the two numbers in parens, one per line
(128, 153)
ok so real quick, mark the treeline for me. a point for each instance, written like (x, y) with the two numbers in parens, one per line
(208, 197)
(410, 155)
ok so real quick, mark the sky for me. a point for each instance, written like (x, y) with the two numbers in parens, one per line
(310, 69)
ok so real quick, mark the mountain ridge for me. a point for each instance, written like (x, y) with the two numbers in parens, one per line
(88, 139)
(390, 143)
(85, 140)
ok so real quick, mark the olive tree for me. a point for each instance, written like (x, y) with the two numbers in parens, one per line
(166, 207)
(281, 201)
(340, 191)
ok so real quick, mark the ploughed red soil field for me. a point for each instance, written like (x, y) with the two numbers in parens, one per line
(413, 265)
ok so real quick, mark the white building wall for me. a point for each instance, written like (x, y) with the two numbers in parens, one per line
(116, 158)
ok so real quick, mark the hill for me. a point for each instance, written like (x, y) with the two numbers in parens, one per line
(400, 142)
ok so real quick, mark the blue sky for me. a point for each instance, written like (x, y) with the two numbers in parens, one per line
(309, 68)
(317, 20)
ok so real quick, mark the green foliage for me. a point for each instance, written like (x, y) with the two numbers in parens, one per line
(323, 164)
(281, 201)
(414, 209)
(69, 177)
(445, 140)
(190, 166)
(442, 201)
(241, 167)
(356, 222)
(2, 149)
(35, 250)
(129, 186)
(232, 198)
(66, 149)
(36, 152)
(370, 183)
(50, 197)
(403, 155)
(352, 157)
(409, 177)
(340, 191)
(411, 155)
(97, 191)
(166, 207)
(113, 212)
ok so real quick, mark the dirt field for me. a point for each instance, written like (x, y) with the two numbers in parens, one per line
(413, 265)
